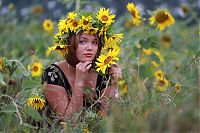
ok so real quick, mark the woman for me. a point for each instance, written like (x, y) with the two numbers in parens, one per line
(68, 81)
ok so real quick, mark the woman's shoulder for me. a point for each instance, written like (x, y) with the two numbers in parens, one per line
(52, 73)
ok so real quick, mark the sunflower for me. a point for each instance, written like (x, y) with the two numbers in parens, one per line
(36, 102)
(135, 13)
(105, 16)
(48, 25)
(123, 87)
(155, 64)
(111, 42)
(105, 61)
(61, 49)
(116, 38)
(36, 69)
(74, 25)
(159, 74)
(62, 26)
(166, 40)
(1, 63)
(161, 84)
(177, 87)
(91, 31)
(86, 22)
(71, 16)
(163, 19)
(103, 30)
(159, 55)
(110, 46)
(147, 51)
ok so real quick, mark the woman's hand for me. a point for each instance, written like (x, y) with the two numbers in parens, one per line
(82, 69)
(115, 72)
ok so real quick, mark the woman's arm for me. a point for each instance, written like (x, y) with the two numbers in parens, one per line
(58, 98)
(59, 101)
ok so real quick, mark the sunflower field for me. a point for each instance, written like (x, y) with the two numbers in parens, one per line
(159, 56)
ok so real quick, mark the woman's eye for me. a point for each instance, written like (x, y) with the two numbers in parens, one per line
(94, 43)
(82, 42)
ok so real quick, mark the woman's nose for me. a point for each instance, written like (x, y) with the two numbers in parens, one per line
(89, 46)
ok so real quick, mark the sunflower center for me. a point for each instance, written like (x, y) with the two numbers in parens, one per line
(58, 48)
(75, 24)
(107, 60)
(133, 13)
(35, 68)
(177, 88)
(166, 39)
(85, 22)
(105, 18)
(161, 82)
(48, 25)
(37, 101)
(159, 75)
(161, 17)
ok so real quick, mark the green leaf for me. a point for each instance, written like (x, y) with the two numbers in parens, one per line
(29, 126)
(28, 84)
(8, 109)
(33, 113)
(2, 83)
(26, 73)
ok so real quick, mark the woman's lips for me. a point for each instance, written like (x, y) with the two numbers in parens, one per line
(88, 55)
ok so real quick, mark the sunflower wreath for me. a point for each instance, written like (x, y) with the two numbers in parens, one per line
(99, 23)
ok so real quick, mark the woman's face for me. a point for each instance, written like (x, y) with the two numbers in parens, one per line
(87, 47)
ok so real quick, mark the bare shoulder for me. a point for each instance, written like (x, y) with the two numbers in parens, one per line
(64, 66)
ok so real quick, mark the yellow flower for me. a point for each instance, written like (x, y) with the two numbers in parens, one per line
(86, 22)
(159, 74)
(36, 102)
(123, 87)
(48, 25)
(111, 42)
(62, 26)
(1, 63)
(143, 60)
(147, 51)
(105, 16)
(105, 61)
(116, 38)
(71, 16)
(134, 12)
(177, 87)
(166, 40)
(36, 69)
(74, 25)
(110, 46)
(91, 31)
(103, 30)
(163, 19)
(161, 84)
(61, 49)
(86, 130)
(155, 64)
(158, 54)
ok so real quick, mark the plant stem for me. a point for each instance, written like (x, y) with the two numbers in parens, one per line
(19, 115)
(102, 94)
